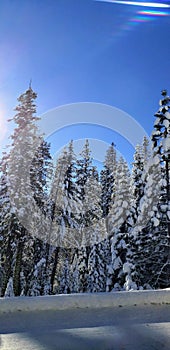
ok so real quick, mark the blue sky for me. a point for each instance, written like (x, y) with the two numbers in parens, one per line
(84, 51)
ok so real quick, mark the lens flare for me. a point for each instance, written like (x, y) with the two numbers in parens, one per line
(153, 13)
(141, 16)
(139, 3)
(144, 16)
(140, 19)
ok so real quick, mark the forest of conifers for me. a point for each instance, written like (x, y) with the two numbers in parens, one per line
(69, 228)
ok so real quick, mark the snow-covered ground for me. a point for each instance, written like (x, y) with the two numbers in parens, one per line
(99, 321)
(85, 300)
(142, 327)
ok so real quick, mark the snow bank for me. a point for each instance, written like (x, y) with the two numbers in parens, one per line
(86, 300)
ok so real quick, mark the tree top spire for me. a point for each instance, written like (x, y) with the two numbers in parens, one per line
(30, 83)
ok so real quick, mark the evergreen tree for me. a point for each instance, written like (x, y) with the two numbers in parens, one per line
(70, 191)
(74, 277)
(141, 158)
(40, 175)
(22, 152)
(82, 268)
(107, 179)
(29, 258)
(56, 231)
(138, 183)
(64, 199)
(161, 147)
(96, 269)
(65, 274)
(65, 207)
(8, 228)
(91, 227)
(120, 223)
(28, 165)
(120, 213)
(88, 193)
(151, 257)
(84, 169)
(147, 256)
(9, 292)
(91, 212)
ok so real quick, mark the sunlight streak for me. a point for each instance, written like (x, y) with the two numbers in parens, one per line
(158, 10)
(153, 13)
(139, 3)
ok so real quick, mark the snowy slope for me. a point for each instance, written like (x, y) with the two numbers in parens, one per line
(85, 300)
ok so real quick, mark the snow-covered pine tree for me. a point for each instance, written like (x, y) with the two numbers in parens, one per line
(74, 273)
(84, 169)
(97, 269)
(89, 193)
(64, 196)
(161, 147)
(147, 257)
(120, 222)
(91, 212)
(107, 179)
(72, 202)
(9, 292)
(19, 163)
(9, 224)
(39, 283)
(151, 257)
(146, 150)
(120, 212)
(57, 228)
(69, 184)
(92, 230)
(65, 273)
(28, 265)
(82, 268)
(141, 157)
(40, 175)
(138, 183)
(66, 207)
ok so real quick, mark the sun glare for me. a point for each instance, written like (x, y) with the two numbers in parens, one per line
(139, 3)
(143, 15)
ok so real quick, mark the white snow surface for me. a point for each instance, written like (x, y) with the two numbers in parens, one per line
(84, 300)
(89, 324)
(166, 144)
(137, 327)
